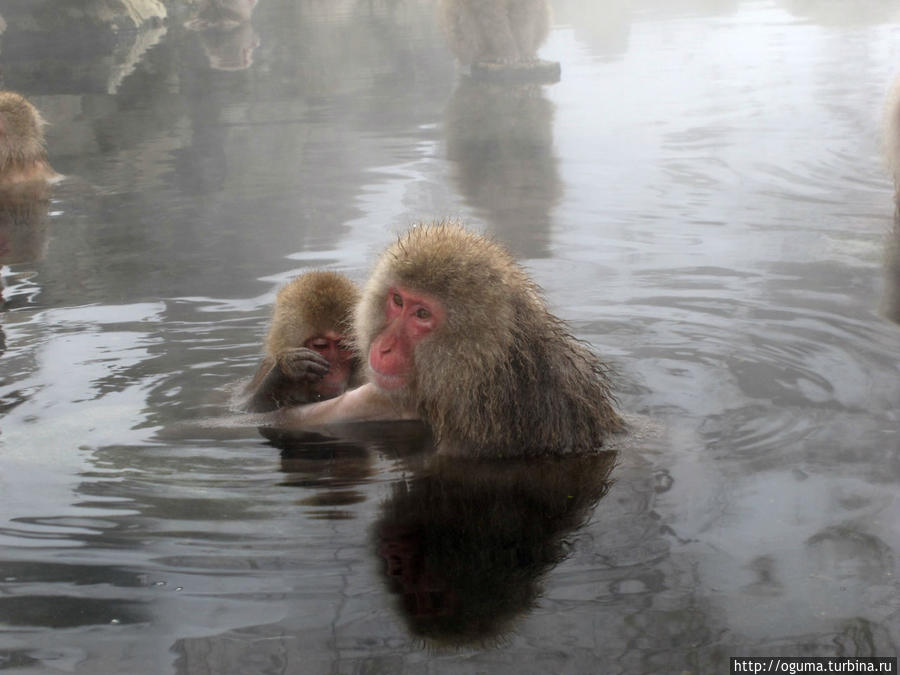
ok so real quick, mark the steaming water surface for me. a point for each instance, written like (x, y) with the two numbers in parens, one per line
(702, 195)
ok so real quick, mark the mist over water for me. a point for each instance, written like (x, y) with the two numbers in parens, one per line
(703, 196)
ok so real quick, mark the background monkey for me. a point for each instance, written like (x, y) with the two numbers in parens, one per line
(495, 31)
(306, 355)
(457, 335)
(23, 156)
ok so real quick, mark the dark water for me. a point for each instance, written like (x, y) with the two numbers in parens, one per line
(702, 195)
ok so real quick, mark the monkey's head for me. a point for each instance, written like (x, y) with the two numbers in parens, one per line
(21, 132)
(315, 311)
(441, 300)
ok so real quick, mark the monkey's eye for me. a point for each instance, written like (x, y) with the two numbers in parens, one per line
(319, 344)
(423, 314)
(398, 300)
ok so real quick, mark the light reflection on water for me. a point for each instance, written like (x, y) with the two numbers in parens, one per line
(702, 195)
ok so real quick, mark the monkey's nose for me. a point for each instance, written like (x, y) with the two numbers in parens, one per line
(386, 344)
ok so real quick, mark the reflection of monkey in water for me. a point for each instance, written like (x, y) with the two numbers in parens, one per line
(307, 358)
(23, 222)
(221, 14)
(331, 471)
(466, 544)
(23, 157)
(23, 225)
(500, 141)
(891, 299)
(499, 36)
(225, 31)
(458, 335)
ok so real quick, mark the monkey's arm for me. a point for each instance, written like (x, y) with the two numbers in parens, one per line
(363, 404)
(284, 380)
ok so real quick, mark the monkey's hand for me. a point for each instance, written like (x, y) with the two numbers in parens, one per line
(287, 378)
(302, 364)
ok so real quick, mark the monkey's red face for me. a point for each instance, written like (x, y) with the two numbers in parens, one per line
(409, 317)
(333, 347)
